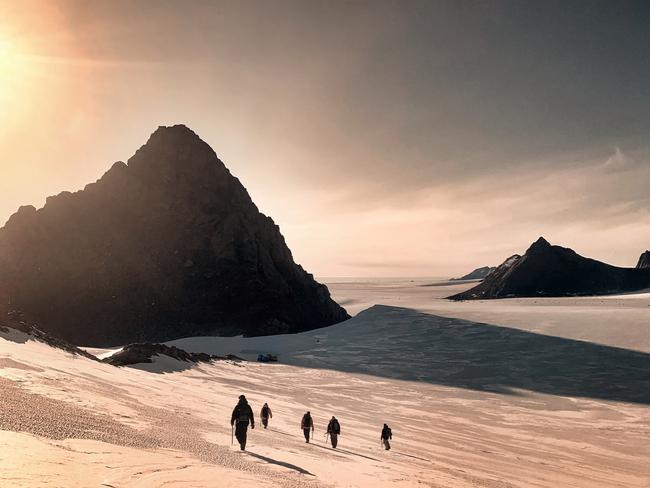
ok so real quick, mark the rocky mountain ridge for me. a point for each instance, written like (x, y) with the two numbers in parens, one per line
(547, 270)
(167, 245)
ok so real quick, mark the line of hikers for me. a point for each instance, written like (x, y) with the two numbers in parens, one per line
(242, 415)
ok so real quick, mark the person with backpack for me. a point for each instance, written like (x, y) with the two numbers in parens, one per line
(307, 424)
(334, 430)
(266, 414)
(386, 435)
(242, 414)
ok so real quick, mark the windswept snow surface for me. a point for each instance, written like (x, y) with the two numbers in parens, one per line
(470, 405)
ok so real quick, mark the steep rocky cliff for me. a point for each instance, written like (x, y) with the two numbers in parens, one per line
(166, 246)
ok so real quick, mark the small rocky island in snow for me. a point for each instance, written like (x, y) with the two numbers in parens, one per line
(546, 270)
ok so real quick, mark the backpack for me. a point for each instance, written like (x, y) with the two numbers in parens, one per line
(335, 427)
(306, 421)
(243, 413)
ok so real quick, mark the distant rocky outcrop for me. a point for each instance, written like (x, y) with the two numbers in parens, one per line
(477, 274)
(644, 261)
(546, 270)
(169, 245)
(144, 352)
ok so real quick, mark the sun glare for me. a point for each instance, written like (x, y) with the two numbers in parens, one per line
(13, 71)
(9, 65)
(8, 56)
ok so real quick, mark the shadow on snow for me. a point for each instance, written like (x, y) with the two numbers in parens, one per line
(405, 344)
(280, 463)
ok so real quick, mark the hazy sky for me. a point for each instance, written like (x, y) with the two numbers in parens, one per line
(385, 138)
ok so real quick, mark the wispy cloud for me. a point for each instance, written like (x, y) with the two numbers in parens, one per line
(618, 162)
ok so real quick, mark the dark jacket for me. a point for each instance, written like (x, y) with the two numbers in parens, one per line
(306, 422)
(266, 412)
(333, 427)
(386, 433)
(242, 413)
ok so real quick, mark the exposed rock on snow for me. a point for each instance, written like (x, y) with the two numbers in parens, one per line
(546, 270)
(644, 261)
(169, 245)
(477, 274)
(143, 353)
(14, 320)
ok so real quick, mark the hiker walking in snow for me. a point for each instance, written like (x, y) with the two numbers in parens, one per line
(307, 424)
(242, 414)
(334, 430)
(266, 414)
(386, 435)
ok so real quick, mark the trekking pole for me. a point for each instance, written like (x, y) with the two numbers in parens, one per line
(232, 434)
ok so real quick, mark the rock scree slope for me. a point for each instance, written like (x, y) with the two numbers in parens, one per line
(169, 245)
(547, 270)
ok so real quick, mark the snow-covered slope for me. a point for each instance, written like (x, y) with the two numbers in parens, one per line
(406, 344)
(68, 421)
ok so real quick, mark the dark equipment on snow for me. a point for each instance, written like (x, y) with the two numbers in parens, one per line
(267, 358)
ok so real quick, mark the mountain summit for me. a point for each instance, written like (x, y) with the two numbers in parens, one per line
(169, 245)
(644, 261)
(547, 270)
(540, 245)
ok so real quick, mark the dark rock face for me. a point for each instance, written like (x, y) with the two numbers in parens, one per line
(169, 245)
(143, 353)
(477, 274)
(644, 261)
(15, 320)
(546, 270)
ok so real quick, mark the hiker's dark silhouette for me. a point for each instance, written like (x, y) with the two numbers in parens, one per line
(265, 415)
(242, 414)
(386, 436)
(334, 430)
(307, 424)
